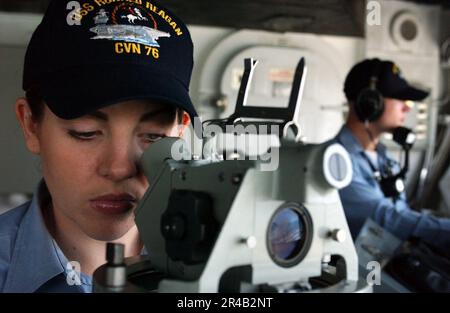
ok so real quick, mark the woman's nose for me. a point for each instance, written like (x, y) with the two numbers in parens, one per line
(121, 162)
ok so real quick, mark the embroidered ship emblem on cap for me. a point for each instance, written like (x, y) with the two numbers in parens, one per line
(131, 32)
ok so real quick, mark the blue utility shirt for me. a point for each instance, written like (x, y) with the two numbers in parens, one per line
(363, 198)
(30, 259)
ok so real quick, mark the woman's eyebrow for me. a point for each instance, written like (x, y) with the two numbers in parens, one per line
(151, 115)
(98, 115)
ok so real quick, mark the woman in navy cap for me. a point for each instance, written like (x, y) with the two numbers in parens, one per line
(103, 81)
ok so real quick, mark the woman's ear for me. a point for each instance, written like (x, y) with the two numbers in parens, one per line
(29, 126)
(185, 121)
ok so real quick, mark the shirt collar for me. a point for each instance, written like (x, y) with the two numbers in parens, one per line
(36, 257)
(352, 145)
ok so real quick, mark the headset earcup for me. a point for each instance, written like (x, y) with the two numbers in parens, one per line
(369, 105)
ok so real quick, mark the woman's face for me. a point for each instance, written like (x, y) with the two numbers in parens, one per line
(90, 164)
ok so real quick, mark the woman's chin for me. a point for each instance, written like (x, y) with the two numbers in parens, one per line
(110, 232)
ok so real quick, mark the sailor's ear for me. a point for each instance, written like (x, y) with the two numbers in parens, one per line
(28, 124)
(185, 121)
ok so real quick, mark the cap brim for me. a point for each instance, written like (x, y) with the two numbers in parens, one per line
(76, 92)
(410, 93)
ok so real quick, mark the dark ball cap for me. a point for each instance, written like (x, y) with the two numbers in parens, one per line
(88, 54)
(390, 83)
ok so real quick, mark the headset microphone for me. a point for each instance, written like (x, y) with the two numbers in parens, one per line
(393, 185)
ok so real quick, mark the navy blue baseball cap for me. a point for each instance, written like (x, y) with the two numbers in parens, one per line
(89, 54)
(390, 82)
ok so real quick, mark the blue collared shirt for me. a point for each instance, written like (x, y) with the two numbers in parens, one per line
(30, 259)
(363, 198)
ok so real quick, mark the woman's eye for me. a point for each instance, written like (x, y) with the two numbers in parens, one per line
(83, 135)
(153, 137)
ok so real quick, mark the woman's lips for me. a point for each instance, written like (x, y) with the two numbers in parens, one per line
(113, 203)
